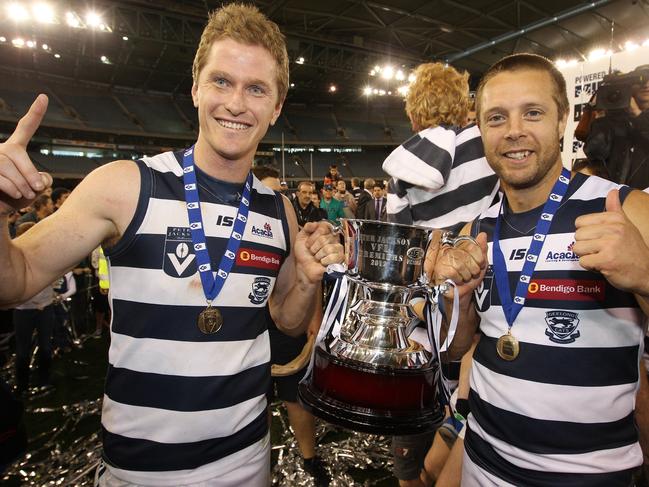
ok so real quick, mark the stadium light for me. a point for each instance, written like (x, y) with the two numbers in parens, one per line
(31, 44)
(387, 72)
(43, 13)
(104, 59)
(367, 91)
(3, 39)
(73, 20)
(18, 42)
(300, 60)
(332, 88)
(411, 78)
(57, 56)
(125, 38)
(93, 19)
(399, 76)
(17, 12)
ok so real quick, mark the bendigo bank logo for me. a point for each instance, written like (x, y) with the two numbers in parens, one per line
(567, 290)
(258, 259)
(266, 232)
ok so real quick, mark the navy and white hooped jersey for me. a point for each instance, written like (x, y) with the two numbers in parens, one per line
(177, 399)
(561, 413)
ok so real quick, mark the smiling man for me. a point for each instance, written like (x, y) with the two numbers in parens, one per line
(185, 399)
(559, 309)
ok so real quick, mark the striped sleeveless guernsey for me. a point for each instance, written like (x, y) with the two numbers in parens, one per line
(177, 399)
(561, 414)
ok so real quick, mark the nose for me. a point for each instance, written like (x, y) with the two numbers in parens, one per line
(514, 128)
(235, 103)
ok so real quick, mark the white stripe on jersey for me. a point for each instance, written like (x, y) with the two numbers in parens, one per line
(622, 333)
(537, 400)
(189, 359)
(601, 461)
(153, 286)
(165, 162)
(176, 211)
(145, 423)
(474, 476)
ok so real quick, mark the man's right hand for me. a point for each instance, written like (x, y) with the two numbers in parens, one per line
(20, 182)
(465, 265)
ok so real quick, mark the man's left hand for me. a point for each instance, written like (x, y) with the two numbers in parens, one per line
(316, 247)
(610, 243)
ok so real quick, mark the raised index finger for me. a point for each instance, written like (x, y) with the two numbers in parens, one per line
(30, 122)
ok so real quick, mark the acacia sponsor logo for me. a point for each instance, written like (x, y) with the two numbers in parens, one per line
(562, 255)
(567, 289)
(266, 231)
(258, 258)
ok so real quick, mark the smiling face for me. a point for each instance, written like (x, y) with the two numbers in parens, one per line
(521, 129)
(237, 98)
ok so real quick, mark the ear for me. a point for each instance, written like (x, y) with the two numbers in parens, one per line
(276, 112)
(562, 124)
(195, 95)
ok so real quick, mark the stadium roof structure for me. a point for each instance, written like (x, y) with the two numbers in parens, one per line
(149, 44)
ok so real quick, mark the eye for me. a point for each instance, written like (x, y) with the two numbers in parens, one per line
(257, 90)
(534, 114)
(221, 82)
(495, 119)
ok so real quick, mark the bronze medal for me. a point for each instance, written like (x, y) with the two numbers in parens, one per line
(210, 320)
(508, 347)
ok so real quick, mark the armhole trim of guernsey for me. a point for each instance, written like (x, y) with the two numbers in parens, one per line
(281, 213)
(146, 191)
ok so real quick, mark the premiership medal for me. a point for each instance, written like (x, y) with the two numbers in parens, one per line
(508, 347)
(210, 320)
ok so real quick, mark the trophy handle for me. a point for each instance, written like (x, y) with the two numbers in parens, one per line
(449, 239)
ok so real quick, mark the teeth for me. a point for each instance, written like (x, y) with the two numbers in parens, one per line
(518, 155)
(232, 125)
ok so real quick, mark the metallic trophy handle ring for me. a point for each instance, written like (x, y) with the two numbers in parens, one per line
(449, 239)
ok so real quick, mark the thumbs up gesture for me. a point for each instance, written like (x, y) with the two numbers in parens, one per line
(612, 244)
(20, 182)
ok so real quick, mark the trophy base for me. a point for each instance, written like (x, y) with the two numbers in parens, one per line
(377, 400)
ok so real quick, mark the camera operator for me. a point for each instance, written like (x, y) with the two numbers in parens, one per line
(620, 139)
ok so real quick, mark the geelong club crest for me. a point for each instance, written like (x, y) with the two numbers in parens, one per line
(260, 290)
(562, 326)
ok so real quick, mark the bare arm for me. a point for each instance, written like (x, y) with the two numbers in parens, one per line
(616, 243)
(293, 298)
(92, 214)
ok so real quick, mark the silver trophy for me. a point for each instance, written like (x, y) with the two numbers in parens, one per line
(367, 373)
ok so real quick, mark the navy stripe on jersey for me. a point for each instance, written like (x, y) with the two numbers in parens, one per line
(485, 457)
(464, 195)
(178, 393)
(468, 151)
(613, 366)
(124, 324)
(151, 456)
(425, 150)
(139, 259)
(612, 297)
(552, 437)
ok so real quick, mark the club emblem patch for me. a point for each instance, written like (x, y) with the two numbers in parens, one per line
(482, 293)
(260, 290)
(562, 326)
(179, 256)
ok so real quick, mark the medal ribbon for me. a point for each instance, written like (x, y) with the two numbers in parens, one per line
(511, 309)
(212, 284)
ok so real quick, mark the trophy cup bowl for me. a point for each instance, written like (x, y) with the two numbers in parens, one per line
(369, 376)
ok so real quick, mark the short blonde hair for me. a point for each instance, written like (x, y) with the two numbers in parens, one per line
(439, 95)
(247, 25)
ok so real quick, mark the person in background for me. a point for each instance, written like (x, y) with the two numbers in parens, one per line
(269, 177)
(375, 209)
(364, 197)
(333, 175)
(59, 195)
(346, 198)
(306, 209)
(42, 208)
(331, 205)
(356, 189)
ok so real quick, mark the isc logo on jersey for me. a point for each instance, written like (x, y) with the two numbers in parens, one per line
(179, 256)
